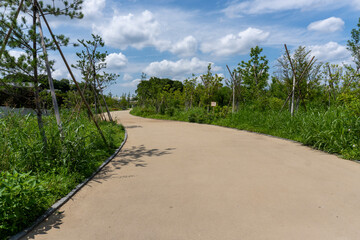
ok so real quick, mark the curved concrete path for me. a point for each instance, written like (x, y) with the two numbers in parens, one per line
(188, 181)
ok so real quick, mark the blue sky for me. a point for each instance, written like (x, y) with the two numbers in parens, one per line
(175, 39)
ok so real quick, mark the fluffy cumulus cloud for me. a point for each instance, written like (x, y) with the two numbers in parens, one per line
(127, 77)
(330, 51)
(16, 53)
(177, 69)
(58, 74)
(238, 8)
(116, 61)
(130, 84)
(93, 7)
(186, 47)
(328, 25)
(123, 31)
(236, 44)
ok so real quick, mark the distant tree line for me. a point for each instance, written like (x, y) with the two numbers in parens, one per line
(298, 79)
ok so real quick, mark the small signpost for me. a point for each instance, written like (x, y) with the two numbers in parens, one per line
(213, 105)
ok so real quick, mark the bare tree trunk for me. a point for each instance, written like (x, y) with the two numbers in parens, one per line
(72, 75)
(51, 83)
(102, 114)
(293, 97)
(101, 91)
(36, 80)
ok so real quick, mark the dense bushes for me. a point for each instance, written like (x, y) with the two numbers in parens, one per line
(33, 176)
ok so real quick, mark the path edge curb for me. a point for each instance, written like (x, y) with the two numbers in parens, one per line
(63, 200)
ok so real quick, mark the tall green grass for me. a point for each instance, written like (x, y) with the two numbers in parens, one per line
(33, 176)
(334, 130)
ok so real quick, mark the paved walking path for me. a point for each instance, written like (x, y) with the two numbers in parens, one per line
(183, 181)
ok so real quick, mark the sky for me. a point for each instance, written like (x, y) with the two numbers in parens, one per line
(175, 39)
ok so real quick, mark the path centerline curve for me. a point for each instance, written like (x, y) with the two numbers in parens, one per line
(176, 180)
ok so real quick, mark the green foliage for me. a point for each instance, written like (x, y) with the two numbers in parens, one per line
(57, 168)
(351, 102)
(22, 198)
(197, 115)
(159, 93)
(211, 84)
(254, 74)
(354, 44)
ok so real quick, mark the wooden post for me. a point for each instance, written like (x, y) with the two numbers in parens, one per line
(294, 81)
(71, 73)
(293, 97)
(233, 89)
(36, 79)
(51, 83)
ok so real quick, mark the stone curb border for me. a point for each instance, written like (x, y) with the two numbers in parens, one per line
(63, 200)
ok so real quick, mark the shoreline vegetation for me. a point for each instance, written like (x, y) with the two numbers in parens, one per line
(34, 176)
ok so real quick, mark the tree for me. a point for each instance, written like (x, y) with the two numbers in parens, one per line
(235, 84)
(156, 92)
(307, 75)
(353, 45)
(189, 91)
(91, 62)
(254, 74)
(211, 84)
(26, 38)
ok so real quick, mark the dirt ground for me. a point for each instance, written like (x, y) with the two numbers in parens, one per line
(186, 181)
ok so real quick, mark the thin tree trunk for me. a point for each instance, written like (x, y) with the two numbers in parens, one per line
(36, 80)
(106, 106)
(102, 95)
(293, 96)
(51, 83)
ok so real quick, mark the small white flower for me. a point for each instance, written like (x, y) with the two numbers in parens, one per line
(354, 145)
(349, 129)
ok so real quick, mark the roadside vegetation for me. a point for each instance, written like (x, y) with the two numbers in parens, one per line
(315, 103)
(44, 155)
(34, 175)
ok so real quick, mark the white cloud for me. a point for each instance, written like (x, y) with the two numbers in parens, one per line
(137, 31)
(236, 44)
(237, 8)
(116, 61)
(16, 53)
(187, 47)
(331, 24)
(127, 77)
(132, 83)
(177, 69)
(330, 52)
(93, 7)
(58, 74)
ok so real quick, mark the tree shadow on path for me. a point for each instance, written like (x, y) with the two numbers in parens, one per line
(133, 155)
(129, 156)
(54, 221)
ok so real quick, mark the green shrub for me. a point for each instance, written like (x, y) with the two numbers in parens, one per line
(22, 198)
(58, 167)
